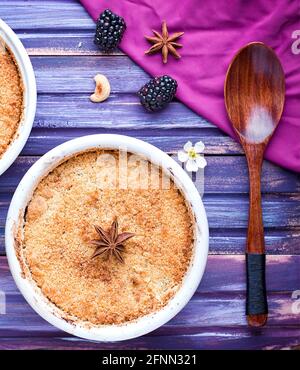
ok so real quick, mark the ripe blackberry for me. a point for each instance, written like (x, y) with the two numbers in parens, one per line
(157, 93)
(109, 30)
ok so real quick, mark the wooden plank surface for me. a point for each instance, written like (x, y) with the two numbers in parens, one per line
(25, 322)
(205, 338)
(58, 36)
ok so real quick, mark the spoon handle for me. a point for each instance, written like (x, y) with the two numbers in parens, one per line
(256, 302)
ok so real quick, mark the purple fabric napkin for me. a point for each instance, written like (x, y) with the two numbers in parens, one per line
(214, 32)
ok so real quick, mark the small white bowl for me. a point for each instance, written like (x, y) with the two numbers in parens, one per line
(15, 221)
(30, 97)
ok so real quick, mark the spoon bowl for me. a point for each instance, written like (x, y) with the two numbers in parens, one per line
(254, 93)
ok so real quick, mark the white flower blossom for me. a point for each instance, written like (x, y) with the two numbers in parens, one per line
(191, 155)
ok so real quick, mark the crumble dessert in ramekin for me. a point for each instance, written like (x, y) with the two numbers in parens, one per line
(11, 97)
(60, 236)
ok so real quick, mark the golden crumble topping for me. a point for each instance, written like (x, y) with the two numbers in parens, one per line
(11, 98)
(82, 192)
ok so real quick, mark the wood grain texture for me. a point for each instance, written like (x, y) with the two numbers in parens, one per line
(285, 337)
(58, 36)
(73, 42)
(44, 139)
(54, 109)
(44, 15)
(64, 74)
(223, 310)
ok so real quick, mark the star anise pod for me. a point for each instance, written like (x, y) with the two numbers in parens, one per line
(110, 243)
(164, 42)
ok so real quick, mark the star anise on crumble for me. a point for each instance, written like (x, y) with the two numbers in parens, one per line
(110, 243)
(165, 43)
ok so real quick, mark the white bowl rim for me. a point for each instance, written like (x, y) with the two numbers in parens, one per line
(142, 325)
(30, 96)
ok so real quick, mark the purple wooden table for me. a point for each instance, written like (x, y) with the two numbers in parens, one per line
(58, 36)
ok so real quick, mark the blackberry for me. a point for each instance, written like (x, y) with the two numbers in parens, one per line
(109, 30)
(157, 93)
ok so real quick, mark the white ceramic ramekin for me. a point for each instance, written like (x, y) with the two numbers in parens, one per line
(33, 294)
(29, 84)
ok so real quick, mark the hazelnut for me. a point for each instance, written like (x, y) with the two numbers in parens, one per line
(102, 89)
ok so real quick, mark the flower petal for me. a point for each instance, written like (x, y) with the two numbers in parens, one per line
(188, 146)
(201, 161)
(182, 156)
(191, 165)
(199, 147)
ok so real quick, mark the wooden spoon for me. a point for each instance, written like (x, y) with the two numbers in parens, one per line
(254, 98)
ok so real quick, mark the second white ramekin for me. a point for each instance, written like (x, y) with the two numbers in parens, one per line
(30, 95)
